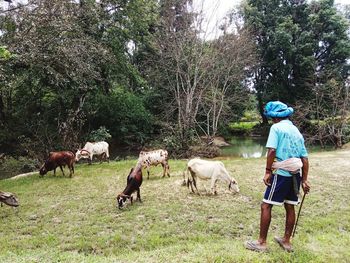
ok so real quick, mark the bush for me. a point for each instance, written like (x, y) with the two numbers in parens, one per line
(169, 138)
(124, 115)
(101, 134)
(251, 116)
(242, 128)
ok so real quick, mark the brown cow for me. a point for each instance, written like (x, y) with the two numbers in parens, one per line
(60, 159)
(134, 181)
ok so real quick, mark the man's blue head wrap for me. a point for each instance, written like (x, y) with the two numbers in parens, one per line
(277, 109)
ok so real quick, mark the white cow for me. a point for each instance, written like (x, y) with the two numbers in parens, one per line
(93, 148)
(213, 170)
(153, 158)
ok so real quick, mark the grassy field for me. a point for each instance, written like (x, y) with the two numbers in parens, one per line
(75, 219)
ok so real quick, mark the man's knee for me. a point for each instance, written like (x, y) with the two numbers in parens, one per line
(265, 206)
(289, 207)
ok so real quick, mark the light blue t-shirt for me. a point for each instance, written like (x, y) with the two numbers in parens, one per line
(288, 142)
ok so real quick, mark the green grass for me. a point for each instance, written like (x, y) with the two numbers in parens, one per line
(75, 219)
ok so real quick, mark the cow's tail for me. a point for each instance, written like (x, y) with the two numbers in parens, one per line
(185, 176)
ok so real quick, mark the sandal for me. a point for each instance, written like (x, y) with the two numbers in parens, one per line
(279, 241)
(255, 246)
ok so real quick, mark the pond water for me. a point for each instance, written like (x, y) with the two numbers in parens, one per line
(254, 147)
(245, 147)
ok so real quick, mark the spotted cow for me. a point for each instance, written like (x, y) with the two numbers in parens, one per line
(153, 158)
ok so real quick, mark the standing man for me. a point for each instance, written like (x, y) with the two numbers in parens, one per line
(285, 144)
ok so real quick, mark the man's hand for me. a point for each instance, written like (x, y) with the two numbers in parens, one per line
(306, 187)
(267, 178)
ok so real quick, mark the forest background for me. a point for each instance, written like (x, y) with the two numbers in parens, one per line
(145, 74)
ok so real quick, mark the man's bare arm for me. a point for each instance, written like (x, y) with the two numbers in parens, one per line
(305, 172)
(271, 155)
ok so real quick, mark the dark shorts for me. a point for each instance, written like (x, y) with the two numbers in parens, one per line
(282, 190)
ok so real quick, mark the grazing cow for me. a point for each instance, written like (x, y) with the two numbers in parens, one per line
(8, 199)
(134, 181)
(60, 159)
(205, 170)
(93, 148)
(147, 159)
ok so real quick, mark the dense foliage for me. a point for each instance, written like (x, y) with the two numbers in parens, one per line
(144, 71)
(71, 68)
(304, 49)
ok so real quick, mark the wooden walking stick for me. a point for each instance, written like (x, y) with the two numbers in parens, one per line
(296, 223)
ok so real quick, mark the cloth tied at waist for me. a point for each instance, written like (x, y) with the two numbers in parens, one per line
(292, 165)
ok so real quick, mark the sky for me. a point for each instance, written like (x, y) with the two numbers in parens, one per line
(215, 11)
(224, 5)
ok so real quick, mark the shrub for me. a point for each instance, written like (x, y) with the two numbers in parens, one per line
(242, 128)
(101, 134)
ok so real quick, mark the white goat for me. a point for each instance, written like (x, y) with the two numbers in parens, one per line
(213, 170)
(93, 148)
(153, 158)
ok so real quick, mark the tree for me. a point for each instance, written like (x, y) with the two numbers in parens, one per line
(284, 45)
(56, 65)
(331, 90)
(5, 55)
(302, 46)
(232, 58)
(179, 60)
(66, 53)
(200, 77)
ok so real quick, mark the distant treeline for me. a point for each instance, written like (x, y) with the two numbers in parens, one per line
(145, 72)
